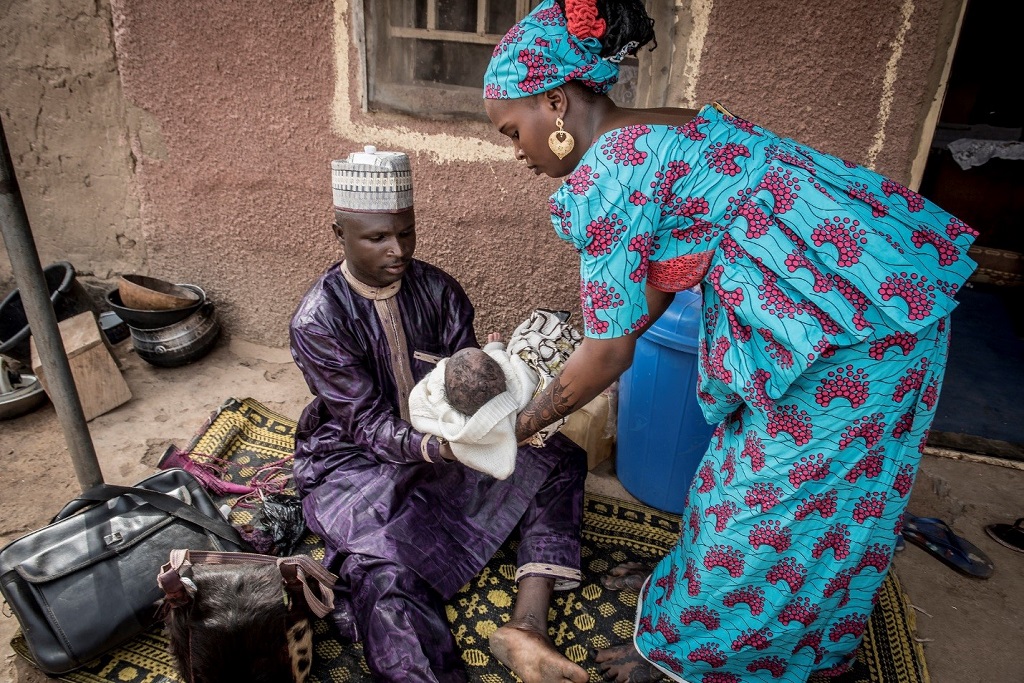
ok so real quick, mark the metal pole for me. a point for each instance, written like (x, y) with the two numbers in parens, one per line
(28, 274)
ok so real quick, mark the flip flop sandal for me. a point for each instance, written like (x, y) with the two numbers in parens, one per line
(937, 538)
(1010, 535)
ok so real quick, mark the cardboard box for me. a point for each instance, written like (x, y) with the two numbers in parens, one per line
(588, 427)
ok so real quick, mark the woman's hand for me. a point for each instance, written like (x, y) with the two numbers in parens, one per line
(590, 370)
(494, 337)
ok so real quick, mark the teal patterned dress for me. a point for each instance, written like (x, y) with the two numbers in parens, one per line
(827, 295)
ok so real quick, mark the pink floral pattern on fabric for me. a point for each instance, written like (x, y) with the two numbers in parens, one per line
(826, 289)
(620, 146)
(582, 179)
(540, 71)
(539, 53)
(514, 34)
(644, 244)
(603, 234)
(597, 296)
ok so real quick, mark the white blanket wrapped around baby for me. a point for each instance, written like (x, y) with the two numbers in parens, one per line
(485, 441)
(537, 352)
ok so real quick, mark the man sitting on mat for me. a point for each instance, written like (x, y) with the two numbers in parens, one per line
(405, 526)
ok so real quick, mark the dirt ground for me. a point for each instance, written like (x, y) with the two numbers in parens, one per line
(973, 630)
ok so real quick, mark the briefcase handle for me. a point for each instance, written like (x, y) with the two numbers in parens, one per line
(161, 501)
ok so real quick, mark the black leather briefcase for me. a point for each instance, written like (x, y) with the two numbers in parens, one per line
(85, 583)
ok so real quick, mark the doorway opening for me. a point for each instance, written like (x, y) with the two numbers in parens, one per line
(975, 170)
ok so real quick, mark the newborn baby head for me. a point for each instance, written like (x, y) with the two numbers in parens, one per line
(471, 379)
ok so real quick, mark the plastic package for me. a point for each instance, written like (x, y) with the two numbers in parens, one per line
(277, 526)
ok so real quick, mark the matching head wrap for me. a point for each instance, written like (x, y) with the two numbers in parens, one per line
(372, 182)
(545, 50)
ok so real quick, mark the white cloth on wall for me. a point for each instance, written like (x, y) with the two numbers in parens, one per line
(968, 153)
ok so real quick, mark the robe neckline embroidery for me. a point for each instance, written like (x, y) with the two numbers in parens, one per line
(391, 320)
(369, 291)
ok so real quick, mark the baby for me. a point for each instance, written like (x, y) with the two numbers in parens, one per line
(472, 378)
(472, 399)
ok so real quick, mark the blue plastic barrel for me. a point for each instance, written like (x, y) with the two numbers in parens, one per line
(662, 435)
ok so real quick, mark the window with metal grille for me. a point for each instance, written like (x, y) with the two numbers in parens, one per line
(428, 57)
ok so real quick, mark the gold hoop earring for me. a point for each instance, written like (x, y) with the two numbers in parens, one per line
(561, 141)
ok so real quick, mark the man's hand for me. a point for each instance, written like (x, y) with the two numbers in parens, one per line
(446, 451)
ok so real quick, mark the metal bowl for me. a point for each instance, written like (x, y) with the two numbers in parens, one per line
(151, 320)
(181, 343)
(28, 395)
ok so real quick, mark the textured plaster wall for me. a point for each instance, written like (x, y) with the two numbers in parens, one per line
(237, 199)
(224, 118)
(853, 79)
(233, 196)
(66, 123)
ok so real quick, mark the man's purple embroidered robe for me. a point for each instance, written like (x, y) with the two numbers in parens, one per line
(373, 485)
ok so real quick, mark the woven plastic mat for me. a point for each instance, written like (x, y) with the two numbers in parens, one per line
(255, 441)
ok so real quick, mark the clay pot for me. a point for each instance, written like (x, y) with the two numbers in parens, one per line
(180, 343)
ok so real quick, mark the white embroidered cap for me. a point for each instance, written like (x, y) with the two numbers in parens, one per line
(372, 182)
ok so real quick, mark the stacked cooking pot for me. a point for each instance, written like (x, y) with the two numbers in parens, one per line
(20, 393)
(170, 324)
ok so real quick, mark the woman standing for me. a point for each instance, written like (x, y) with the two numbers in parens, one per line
(827, 291)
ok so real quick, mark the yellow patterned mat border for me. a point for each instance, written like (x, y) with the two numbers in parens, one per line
(251, 435)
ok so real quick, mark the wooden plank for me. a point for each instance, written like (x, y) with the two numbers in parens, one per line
(359, 40)
(79, 333)
(431, 15)
(99, 383)
(450, 36)
(441, 101)
(655, 77)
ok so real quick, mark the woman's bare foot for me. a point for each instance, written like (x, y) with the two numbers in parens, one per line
(626, 576)
(624, 664)
(532, 656)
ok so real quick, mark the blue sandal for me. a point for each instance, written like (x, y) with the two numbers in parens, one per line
(937, 538)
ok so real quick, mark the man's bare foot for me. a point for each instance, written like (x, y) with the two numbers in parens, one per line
(624, 664)
(532, 656)
(626, 576)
